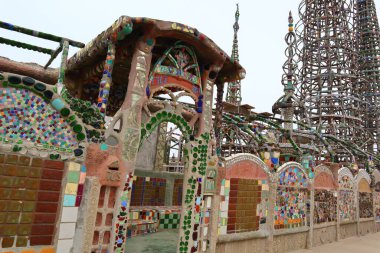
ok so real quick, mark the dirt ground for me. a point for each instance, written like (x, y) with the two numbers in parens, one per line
(365, 244)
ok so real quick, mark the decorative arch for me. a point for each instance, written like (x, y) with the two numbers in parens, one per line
(235, 161)
(292, 198)
(347, 195)
(163, 116)
(298, 178)
(48, 125)
(177, 69)
(324, 178)
(345, 179)
(363, 181)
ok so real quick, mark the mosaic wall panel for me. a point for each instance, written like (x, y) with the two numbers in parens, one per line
(292, 208)
(347, 210)
(223, 206)
(148, 191)
(293, 177)
(29, 198)
(244, 198)
(169, 220)
(346, 183)
(177, 192)
(377, 201)
(365, 205)
(262, 207)
(38, 121)
(325, 206)
(76, 175)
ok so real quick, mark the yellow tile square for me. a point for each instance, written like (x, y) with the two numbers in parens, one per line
(74, 166)
(71, 188)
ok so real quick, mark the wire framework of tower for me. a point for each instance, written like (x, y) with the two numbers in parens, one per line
(368, 36)
(328, 73)
(234, 90)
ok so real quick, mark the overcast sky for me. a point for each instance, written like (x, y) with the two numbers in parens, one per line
(263, 25)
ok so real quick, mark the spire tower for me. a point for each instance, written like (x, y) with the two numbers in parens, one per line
(328, 75)
(369, 66)
(233, 89)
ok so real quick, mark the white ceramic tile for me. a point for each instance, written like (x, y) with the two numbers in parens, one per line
(66, 230)
(69, 214)
(64, 246)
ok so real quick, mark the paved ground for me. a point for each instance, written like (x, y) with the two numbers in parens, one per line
(364, 244)
(161, 242)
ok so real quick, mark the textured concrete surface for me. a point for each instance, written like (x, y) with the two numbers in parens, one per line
(364, 244)
(161, 242)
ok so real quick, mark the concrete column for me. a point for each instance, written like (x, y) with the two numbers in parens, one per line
(337, 216)
(270, 218)
(84, 231)
(357, 208)
(214, 224)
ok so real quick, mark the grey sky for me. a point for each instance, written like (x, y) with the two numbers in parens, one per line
(263, 25)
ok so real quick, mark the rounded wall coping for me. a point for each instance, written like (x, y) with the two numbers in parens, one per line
(323, 169)
(362, 175)
(344, 171)
(376, 174)
(231, 160)
(287, 165)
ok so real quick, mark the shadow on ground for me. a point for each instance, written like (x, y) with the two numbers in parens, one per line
(161, 242)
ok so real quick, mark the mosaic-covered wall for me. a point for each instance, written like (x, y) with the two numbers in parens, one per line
(292, 201)
(325, 196)
(347, 203)
(244, 196)
(34, 120)
(148, 191)
(177, 192)
(30, 191)
(365, 199)
(377, 201)
(325, 204)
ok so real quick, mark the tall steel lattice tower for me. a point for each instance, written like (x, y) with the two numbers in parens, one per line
(233, 90)
(368, 47)
(328, 73)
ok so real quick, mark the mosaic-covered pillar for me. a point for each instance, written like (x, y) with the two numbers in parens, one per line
(200, 179)
(106, 81)
(129, 116)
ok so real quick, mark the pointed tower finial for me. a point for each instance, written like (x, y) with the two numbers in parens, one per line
(233, 95)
